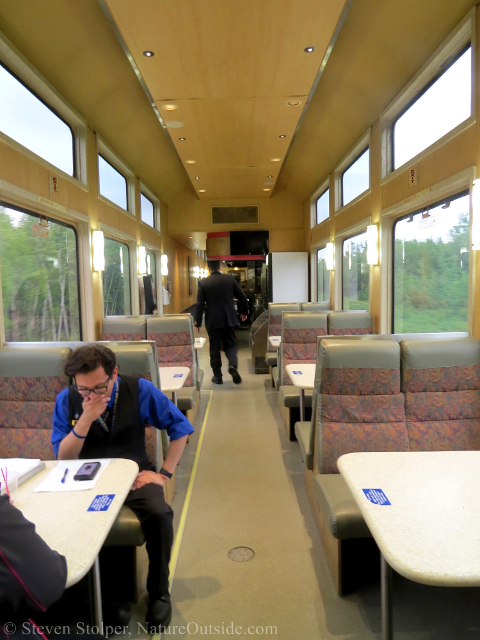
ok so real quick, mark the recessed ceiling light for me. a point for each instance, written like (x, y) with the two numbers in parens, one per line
(182, 139)
(169, 107)
(282, 136)
(190, 237)
(293, 103)
(197, 177)
(266, 189)
(201, 191)
(269, 176)
(275, 159)
(148, 54)
(309, 49)
(190, 161)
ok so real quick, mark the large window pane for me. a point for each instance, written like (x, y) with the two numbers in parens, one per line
(147, 210)
(113, 185)
(323, 206)
(442, 107)
(39, 278)
(356, 179)
(323, 277)
(431, 269)
(355, 273)
(116, 279)
(31, 123)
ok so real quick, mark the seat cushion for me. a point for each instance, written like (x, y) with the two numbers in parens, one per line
(126, 530)
(271, 358)
(186, 398)
(339, 508)
(290, 396)
(302, 431)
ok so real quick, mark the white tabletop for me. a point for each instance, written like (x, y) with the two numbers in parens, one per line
(275, 341)
(430, 533)
(63, 521)
(199, 342)
(173, 378)
(302, 375)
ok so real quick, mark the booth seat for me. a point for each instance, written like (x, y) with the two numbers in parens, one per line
(341, 323)
(258, 342)
(275, 310)
(119, 328)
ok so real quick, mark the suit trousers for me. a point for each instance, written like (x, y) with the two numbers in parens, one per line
(228, 338)
(156, 518)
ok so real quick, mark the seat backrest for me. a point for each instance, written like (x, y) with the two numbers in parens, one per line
(313, 307)
(441, 381)
(275, 310)
(139, 360)
(349, 323)
(173, 335)
(360, 406)
(124, 328)
(299, 339)
(30, 380)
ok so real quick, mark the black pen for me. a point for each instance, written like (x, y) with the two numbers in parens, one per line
(65, 475)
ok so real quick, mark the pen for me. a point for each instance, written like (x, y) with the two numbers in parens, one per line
(64, 475)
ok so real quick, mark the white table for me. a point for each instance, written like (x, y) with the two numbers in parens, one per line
(172, 379)
(303, 377)
(275, 341)
(63, 521)
(430, 533)
(199, 343)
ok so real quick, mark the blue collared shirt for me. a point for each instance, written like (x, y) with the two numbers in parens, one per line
(155, 409)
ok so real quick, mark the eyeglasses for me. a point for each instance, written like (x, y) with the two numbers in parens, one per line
(98, 390)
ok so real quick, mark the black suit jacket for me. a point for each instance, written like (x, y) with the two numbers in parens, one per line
(215, 295)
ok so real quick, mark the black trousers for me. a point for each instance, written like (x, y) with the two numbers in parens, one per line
(156, 517)
(226, 337)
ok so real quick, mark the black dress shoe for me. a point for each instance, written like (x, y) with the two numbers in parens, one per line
(233, 371)
(159, 614)
(217, 380)
(116, 614)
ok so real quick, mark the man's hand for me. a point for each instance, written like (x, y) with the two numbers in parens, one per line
(197, 329)
(243, 318)
(148, 477)
(94, 407)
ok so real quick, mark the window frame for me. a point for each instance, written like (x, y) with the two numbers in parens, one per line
(315, 260)
(119, 236)
(62, 223)
(158, 273)
(111, 157)
(18, 66)
(450, 49)
(318, 193)
(353, 230)
(352, 156)
(344, 239)
(147, 193)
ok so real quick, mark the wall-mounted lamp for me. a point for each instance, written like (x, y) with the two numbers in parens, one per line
(164, 264)
(98, 243)
(329, 262)
(372, 244)
(142, 260)
(196, 272)
(476, 215)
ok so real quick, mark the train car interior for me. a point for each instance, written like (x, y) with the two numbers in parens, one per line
(325, 152)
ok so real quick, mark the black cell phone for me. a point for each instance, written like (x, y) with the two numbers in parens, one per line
(87, 471)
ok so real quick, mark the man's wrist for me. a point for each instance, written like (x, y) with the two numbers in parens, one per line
(164, 472)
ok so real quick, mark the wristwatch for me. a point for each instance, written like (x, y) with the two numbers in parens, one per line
(164, 472)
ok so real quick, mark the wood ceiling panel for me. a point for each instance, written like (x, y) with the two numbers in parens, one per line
(231, 182)
(227, 48)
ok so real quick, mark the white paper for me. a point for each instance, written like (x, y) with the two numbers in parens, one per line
(25, 468)
(53, 482)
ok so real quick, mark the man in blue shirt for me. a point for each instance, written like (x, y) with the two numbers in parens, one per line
(104, 416)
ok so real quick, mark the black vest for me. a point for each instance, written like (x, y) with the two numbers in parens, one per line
(126, 439)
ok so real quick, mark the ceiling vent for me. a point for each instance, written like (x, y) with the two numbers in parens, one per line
(235, 215)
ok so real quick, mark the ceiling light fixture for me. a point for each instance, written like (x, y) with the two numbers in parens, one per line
(282, 136)
(266, 189)
(293, 103)
(201, 191)
(269, 176)
(197, 177)
(309, 49)
(148, 54)
(190, 237)
(275, 159)
(169, 107)
(190, 161)
(182, 139)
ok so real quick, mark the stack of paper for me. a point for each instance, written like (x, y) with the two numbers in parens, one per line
(25, 468)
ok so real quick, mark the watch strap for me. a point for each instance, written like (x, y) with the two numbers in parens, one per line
(165, 473)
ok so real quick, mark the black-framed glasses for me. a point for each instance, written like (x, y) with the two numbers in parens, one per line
(98, 390)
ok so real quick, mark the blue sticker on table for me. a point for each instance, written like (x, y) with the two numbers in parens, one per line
(177, 375)
(376, 496)
(297, 372)
(101, 502)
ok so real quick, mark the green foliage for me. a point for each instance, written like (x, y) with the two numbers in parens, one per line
(116, 287)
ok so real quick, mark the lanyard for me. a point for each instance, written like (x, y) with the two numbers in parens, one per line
(101, 419)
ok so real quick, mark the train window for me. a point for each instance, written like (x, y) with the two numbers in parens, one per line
(323, 276)
(356, 178)
(322, 206)
(147, 210)
(116, 279)
(40, 287)
(444, 104)
(31, 123)
(152, 268)
(430, 268)
(355, 273)
(112, 184)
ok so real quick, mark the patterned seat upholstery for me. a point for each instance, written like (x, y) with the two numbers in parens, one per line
(360, 408)
(299, 340)
(30, 380)
(275, 310)
(441, 381)
(313, 307)
(119, 328)
(350, 323)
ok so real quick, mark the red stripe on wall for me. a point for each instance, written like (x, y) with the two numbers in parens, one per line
(218, 234)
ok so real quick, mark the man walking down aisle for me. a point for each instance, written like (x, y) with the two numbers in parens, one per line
(215, 297)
